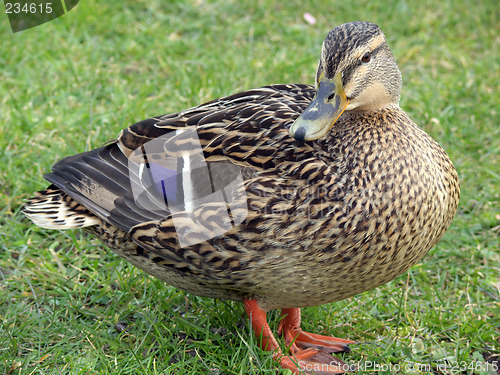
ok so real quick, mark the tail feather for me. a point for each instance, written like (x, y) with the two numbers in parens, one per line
(53, 209)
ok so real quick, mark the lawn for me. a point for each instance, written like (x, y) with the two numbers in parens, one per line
(70, 306)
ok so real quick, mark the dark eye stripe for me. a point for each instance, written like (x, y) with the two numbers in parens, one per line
(357, 63)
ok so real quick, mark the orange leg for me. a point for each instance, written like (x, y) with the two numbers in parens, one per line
(297, 339)
(313, 358)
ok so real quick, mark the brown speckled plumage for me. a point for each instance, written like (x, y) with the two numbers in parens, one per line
(328, 218)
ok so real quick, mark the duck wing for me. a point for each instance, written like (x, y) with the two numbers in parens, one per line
(167, 157)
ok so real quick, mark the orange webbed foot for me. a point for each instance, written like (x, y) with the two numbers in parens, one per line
(310, 352)
(297, 339)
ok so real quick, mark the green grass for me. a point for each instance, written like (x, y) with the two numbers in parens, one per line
(68, 306)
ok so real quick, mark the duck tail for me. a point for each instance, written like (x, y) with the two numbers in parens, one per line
(53, 209)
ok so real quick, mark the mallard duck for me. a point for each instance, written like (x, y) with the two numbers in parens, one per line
(333, 191)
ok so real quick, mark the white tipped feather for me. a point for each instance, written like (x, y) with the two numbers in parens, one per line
(52, 209)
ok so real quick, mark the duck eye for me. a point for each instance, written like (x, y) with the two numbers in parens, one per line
(366, 57)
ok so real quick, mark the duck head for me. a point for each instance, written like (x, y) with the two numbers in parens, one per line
(356, 72)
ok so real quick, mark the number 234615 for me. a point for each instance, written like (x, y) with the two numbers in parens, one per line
(28, 8)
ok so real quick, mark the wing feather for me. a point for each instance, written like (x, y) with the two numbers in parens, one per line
(248, 129)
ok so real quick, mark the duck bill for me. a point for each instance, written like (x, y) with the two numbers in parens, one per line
(324, 110)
